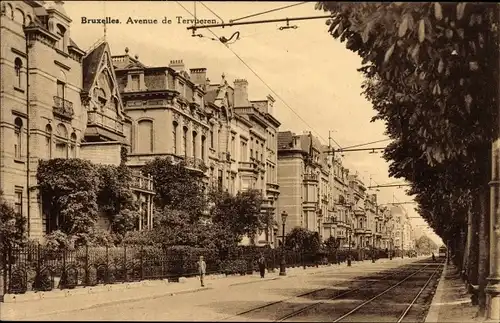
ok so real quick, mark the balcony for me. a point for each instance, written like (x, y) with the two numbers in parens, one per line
(360, 230)
(272, 188)
(99, 119)
(142, 183)
(311, 177)
(195, 163)
(63, 108)
(250, 166)
(359, 212)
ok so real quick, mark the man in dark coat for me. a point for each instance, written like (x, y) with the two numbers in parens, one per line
(262, 266)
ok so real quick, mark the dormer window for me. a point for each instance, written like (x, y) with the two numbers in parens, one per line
(61, 32)
(135, 80)
(101, 98)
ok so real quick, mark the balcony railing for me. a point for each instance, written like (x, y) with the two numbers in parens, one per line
(142, 182)
(310, 177)
(63, 108)
(251, 165)
(272, 187)
(195, 163)
(100, 119)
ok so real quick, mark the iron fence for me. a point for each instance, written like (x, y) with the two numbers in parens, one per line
(37, 268)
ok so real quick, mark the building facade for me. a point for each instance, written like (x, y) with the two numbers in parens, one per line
(57, 101)
(179, 114)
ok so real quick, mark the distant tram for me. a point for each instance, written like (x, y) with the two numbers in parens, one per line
(442, 252)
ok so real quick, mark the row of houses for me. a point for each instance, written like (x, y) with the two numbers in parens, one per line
(59, 101)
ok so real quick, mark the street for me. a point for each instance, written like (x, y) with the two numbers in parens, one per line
(379, 292)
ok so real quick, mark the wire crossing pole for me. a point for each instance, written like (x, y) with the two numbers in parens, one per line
(268, 21)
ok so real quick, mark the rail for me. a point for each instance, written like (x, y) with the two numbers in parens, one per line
(100, 119)
(63, 108)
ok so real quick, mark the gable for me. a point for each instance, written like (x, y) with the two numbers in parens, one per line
(100, 81)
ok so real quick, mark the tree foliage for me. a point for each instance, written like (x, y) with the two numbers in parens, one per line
(75, 191)
(302, 239)
(177, 187)
(116, 198)
(240, 214)
(431, 74)
(68, 191)
(425, 245)
(12, 226)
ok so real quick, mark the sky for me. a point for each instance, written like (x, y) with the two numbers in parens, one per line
(312, 76)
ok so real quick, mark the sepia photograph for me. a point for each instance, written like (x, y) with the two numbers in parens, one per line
(248, 161)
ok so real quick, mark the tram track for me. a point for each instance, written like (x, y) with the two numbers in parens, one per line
(303, 309)
(399, 317)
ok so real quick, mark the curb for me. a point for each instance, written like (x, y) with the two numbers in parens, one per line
(123, 301)
(254, 282)
(433, 313)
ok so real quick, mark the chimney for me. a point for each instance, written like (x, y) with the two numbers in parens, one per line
(241, 93)
(270, 105)
(177, 65)
(199, 76)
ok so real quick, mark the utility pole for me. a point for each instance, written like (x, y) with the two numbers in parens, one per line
(493, 287)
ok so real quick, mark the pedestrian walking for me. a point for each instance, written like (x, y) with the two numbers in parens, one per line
(433, 257)
(262, 266)
(202, 269)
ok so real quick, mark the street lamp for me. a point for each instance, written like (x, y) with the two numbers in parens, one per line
(320, 216)
(283, 263)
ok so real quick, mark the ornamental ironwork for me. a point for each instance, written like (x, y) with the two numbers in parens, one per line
(63, 108)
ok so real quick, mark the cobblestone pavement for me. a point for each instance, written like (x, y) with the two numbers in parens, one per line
(225, 298)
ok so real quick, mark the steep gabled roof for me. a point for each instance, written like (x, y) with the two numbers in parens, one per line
(91, 63)
(285, 139)
(211, 95)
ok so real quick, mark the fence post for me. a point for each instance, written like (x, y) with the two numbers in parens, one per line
(125, 273)
(106, 279)
(62, 281)
(86, 264)
(142, 262)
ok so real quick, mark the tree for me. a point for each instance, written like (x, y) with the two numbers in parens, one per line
(425, 245)
(240, 214)
(12, 227)
(302, 239)
(177, 187)
(432, 77)
(68, 188)
(116, 198)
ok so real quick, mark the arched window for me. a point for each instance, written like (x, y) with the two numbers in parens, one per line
(145, 136)
(61, 32)
(19, 16)
(18, 65)
(18, 123)
(73, 145)
(175, 125)
(61, 85)
(62, 142)
(184, 140)
(212, 137)
(203, 140)
(48, 141)
(194, 143)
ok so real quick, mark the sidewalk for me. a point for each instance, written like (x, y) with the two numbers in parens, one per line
(60, 301)
(451, 302)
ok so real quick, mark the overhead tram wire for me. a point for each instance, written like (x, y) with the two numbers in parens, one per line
(204, 5)
(368, 143)
(260, 78)
(268, 11)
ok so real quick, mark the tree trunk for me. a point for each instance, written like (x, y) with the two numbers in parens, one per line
(468, 242)
(473, 263)
(483, 269)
